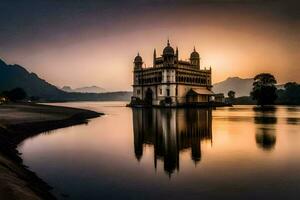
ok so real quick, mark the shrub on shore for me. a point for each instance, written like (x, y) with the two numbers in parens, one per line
(14, 95)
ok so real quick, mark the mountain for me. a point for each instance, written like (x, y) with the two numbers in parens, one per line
(90, 89)
(67, 89)
(13, 76)
(242, 87)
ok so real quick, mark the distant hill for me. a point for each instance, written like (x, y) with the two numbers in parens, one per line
(90, 89)
(12, 76)
(242, 87)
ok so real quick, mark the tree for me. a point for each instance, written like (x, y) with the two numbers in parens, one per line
(16, 94)
(264, 90)
(292, 93)
(231, 94)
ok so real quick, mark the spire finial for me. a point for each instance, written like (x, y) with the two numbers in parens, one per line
(194, 48)
(168, 42)
(138, 54)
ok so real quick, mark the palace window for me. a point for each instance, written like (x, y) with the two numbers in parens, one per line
(168, 92)
(160, 91)
(168, 78)
(138, 91)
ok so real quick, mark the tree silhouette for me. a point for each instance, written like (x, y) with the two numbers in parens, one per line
(292, 93)
(264, 90)
(231, 94)
(16, 94)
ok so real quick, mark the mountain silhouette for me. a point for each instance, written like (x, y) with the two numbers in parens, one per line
(88, 89)
(13, 76)
(242, 87)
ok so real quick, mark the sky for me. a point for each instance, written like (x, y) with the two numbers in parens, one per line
(82, 43)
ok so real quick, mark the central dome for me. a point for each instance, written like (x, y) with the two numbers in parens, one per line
(195, 54)
(168, 50)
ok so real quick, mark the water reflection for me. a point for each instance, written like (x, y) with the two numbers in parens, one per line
(255, 154)
(171, 131)
(293, 121)
(265, 120)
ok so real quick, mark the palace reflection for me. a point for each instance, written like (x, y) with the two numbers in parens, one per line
(171, 131)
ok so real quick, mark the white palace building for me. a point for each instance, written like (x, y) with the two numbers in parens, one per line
(170, 81)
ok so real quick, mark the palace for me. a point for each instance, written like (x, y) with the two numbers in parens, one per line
(171, 82)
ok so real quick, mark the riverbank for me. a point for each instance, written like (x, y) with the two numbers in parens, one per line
(21, 121)
(183, 105)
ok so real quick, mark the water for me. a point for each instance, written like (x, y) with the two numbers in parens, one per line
(236, 153)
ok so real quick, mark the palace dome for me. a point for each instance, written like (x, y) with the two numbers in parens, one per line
(195, 55)
(168, 50)
(138, 59)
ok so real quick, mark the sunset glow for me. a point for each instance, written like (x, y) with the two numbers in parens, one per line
(94, 43)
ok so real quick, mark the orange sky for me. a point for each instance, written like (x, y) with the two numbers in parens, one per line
(235, 40)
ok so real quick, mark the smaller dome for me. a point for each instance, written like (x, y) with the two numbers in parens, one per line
(168, 50)
(195, 54)
(138, 59)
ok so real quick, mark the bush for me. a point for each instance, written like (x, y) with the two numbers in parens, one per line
(16, 94)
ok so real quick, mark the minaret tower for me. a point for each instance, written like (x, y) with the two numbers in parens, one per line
(177, 54)
(154, 58)
(195, 59)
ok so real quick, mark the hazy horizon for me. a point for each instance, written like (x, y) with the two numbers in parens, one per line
(76, 43)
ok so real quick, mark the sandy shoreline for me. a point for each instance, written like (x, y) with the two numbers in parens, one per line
(18, 122)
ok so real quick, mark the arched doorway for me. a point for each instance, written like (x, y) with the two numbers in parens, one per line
(149, 96)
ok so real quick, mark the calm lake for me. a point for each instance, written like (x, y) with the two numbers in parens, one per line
(226, 153)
